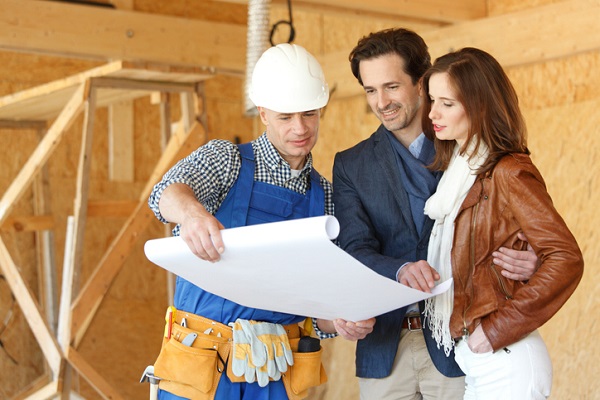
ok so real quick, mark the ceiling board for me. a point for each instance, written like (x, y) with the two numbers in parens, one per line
(437, 11)
(69, 30)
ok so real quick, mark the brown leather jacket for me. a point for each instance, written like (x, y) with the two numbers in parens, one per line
(510, 198)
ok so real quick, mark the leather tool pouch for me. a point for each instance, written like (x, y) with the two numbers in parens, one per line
(192, 371)
(306, 372)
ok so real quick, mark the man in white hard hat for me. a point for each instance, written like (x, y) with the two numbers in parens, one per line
(210, 190)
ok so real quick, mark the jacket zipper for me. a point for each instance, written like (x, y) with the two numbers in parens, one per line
(471, 266)
(501, 282)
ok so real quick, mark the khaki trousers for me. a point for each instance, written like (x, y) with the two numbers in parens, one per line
(413, 377)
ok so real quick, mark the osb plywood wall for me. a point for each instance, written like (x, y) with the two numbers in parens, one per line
(560, 99)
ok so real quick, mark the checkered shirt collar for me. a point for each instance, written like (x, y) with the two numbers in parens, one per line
(275, 163)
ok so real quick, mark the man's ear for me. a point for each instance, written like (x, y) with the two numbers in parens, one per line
(263, 115)
(421, 87)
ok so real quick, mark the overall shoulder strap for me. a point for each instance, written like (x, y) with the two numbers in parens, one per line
(317, 194)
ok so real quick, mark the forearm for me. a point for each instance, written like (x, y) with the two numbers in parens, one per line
(178, 203)
(325, 326)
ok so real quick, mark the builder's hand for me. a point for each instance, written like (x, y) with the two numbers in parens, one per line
(353, 330)
(200, 230)
(418, 275)
(269, 344)
(202, 234)
(243, 362)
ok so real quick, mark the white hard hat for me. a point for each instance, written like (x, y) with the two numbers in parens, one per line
(288, 79)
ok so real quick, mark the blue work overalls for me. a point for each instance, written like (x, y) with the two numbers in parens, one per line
(249, 203)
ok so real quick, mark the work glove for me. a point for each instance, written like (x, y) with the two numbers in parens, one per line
(269, 353)
(270, 343)
(243, 361)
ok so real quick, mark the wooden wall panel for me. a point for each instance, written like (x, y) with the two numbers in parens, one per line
(559, 82)
(564, 141)
(560, 99)
(225, 111)
(564, 136)
(147, 139)
(28, 70)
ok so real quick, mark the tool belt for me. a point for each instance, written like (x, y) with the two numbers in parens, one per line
(194, 371)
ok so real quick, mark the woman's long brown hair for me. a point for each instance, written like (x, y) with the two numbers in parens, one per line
(490, 102)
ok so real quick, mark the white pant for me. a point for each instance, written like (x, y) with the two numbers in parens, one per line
(523, 372)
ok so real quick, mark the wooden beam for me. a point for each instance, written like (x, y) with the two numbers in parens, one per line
(123, 4)
(63, 331)
(41, 389)
(189, 110)
(23, 124)
(164, 103)
(70, 30)
(96, 209)
(83, 181)
(44, 240)
(534, 35)
(31, 310)
(431, 10)
(435, 10)
(144, 85)
(28, 223)
(207, 10)
(42, 152)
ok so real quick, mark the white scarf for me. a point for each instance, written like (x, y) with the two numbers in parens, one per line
(443, 207)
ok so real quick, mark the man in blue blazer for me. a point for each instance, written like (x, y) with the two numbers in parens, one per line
(380, 188)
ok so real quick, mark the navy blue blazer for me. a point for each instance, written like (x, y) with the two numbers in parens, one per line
(377, 228)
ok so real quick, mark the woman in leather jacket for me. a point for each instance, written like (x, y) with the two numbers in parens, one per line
(490, 191)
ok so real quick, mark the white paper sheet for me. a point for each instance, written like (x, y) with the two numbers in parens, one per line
(291, 267)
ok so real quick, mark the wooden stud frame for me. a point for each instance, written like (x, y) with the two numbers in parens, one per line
(84, 93)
